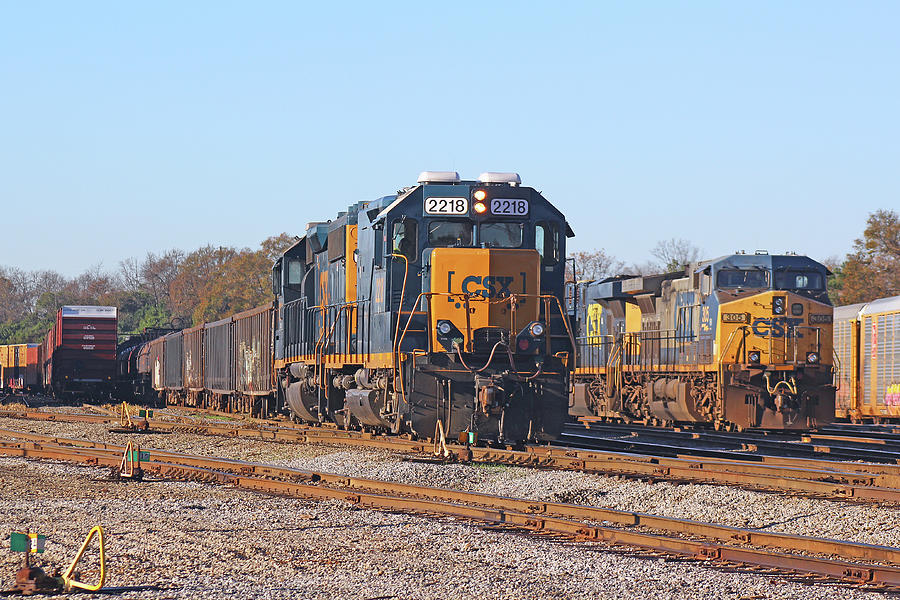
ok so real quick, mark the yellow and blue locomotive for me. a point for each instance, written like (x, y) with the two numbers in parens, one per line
(435, 311)
(740, 341)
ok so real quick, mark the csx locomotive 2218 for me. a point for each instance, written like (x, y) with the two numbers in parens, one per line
(433, 311)
(440, 304)
(739, 341)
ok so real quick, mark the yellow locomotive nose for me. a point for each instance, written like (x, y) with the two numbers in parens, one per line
(777, 329)
(479, 292)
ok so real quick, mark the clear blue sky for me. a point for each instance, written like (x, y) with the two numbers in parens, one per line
(127, 127)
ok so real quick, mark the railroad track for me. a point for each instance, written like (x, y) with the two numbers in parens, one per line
(837, 446)
(814, 560)
(857, 482)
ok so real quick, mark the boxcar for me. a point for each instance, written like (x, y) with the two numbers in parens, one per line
(79, 352)
(19, 367)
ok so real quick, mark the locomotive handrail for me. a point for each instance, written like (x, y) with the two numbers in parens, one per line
(818, 341)
(836, 368)
(395, 358)
(613, 363)
(743, 329)
(586, 345)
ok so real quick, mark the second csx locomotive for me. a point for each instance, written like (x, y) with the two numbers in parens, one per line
(739, 341)
(434, 310)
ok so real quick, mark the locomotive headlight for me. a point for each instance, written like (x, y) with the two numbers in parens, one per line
(812, 358)
(796, 309)
(479, 207)
(480, 195)
(444, 327)
(536, 329)
(753, 356)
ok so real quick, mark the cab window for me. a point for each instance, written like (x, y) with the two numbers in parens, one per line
(799, 280)
(404, 239)
(449, 234)
(741, 278)
(295, 271)
(546, 242)
(500, 235)
(276, 278)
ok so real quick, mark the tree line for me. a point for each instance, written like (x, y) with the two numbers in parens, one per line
(180, 289)
(171, 289)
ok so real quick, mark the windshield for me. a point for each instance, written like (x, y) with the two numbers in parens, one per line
(500, 235)
(449, 233)
(739, 278)
(799, 280)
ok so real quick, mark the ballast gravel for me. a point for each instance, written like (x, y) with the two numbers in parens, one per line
(864, 523)
(201, 541)
(221, 542)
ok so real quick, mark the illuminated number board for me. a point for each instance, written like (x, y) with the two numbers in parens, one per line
(735, 318)
(446, 206)
(509, 206)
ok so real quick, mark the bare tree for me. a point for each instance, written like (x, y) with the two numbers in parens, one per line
(130, 274)
(675, 254)
(648, 267)
(158, 273)
(595, 264)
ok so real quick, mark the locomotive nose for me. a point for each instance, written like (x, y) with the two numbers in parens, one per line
(482, 296)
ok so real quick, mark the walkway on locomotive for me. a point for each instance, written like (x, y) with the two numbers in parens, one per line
(353, 287)
(737, 308)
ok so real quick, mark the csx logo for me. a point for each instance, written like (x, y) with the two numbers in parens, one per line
(489, 286)
(777, 327)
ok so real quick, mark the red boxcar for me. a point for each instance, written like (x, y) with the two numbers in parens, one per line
(79, 353)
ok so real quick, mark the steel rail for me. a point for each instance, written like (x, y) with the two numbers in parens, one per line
(778, 540)
(862, 482)
(537, 516)
(672, 441)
